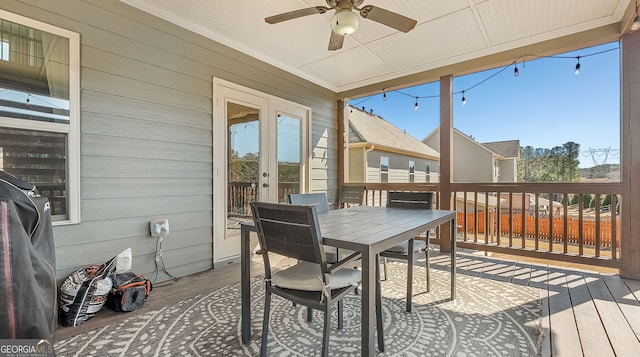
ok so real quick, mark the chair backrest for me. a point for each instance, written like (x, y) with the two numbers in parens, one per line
(318, 199)
(416, 200)
(289, 230)
(351, 195)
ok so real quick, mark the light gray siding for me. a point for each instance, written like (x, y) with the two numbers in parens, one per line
(398, 167)
(146, 132)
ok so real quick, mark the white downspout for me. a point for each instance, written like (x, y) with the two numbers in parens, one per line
(366, 161)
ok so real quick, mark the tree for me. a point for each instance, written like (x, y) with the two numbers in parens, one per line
(559, 164)
(574, 200)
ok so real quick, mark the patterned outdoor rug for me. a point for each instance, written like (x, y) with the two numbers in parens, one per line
(488, 318)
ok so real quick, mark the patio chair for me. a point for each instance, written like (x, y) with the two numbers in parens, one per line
(351, 196)
(406, 250)
(319, 200)
(293, 231)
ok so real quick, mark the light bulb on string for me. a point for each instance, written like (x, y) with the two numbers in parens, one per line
(577, 71)
(416, 107)
(28, 101)
(515, 71)
(464, 100)
(384, 96)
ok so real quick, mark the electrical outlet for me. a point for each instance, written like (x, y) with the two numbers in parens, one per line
(159, 228)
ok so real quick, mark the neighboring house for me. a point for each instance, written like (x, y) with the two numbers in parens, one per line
(478, 162)
(381, 152)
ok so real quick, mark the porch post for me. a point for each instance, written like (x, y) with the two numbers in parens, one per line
(343, 125)
(446, 157)
(630, 162)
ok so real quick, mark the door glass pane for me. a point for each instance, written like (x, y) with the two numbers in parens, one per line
(244, 156)
(289, 163)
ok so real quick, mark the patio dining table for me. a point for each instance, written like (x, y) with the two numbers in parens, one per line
(365, 229)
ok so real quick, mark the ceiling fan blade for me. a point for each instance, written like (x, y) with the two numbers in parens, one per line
(389, 18)
(295, 14)
(336, 41)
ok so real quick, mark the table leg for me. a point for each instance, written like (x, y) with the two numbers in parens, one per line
(245, 286)
(453, 258)
(368, 303)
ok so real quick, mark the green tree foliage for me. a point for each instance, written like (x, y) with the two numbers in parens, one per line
(586, 200)
(559, 164)
(574, 200)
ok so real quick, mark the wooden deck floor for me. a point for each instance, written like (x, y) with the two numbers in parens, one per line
(585, 312)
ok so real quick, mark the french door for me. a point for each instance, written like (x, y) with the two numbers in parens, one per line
(260, 152)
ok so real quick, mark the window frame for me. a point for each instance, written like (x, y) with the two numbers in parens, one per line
(388, 168)
(72, 130)
(412, 171)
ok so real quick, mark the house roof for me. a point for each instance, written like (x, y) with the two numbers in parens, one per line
(371, 129)
(507, 149)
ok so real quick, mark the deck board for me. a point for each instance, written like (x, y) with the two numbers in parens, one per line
(590, 328)
(625, 299)
(622, 337)
(561, 317)
(581, 310)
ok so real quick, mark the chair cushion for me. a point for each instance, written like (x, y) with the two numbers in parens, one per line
(306, 276)
(404, 246)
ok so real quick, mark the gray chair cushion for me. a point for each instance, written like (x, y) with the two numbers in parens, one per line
(306, 276)
(404, 246)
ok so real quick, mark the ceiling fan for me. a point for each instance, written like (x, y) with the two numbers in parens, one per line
(345, 21)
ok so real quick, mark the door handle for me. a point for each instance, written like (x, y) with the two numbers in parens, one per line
(265, 185)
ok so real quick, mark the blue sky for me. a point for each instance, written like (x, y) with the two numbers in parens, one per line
(545, 106)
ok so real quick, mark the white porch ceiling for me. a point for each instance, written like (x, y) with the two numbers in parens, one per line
(447, 32)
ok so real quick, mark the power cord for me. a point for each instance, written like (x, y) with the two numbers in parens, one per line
(159, 259)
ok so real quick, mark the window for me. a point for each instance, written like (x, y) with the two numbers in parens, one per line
(39, 110)
(412, 171)
(427, 171)
(4, 50)
(384, 169)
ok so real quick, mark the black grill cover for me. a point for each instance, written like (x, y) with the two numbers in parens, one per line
(27, 263)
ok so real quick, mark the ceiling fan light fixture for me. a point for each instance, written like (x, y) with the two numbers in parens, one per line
(345, 22)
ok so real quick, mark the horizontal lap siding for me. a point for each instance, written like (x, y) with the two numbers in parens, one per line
(146, 132)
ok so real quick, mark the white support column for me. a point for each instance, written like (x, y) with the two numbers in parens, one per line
(446, 155)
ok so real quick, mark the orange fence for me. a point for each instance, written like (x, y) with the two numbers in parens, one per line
(557, 229)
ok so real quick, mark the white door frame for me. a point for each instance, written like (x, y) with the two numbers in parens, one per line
(225, 250)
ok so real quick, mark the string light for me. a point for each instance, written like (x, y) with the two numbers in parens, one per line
(28, 102)
(516, 72)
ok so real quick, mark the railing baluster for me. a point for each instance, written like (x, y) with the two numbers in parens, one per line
(535, 223)
(466, 216)
(524, 221)
(487, 210)
(580, 224)
(597, 207)
(614, 227)
(550, 210)
(565, 220)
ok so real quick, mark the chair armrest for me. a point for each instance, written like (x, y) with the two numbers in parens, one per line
(343, 262)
